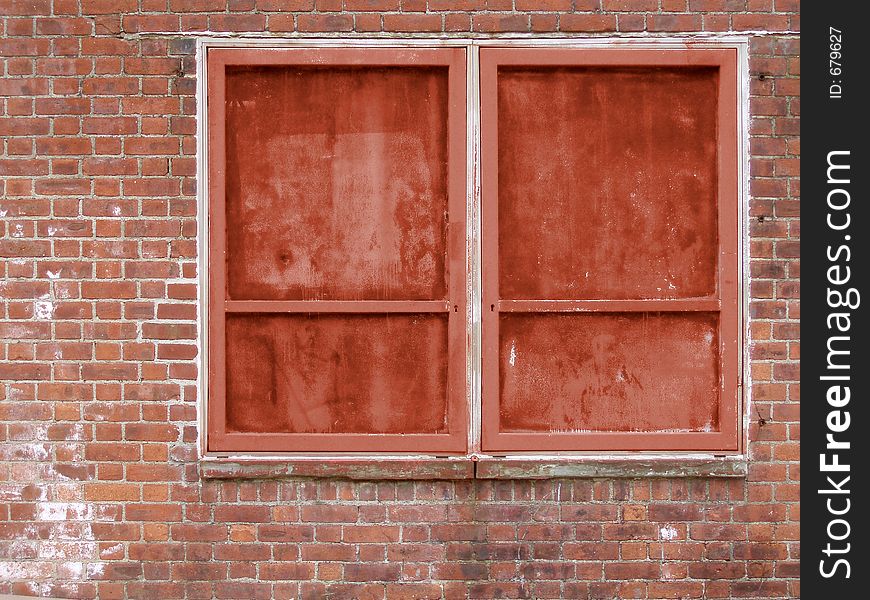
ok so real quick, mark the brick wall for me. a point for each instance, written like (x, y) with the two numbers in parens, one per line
(99, 479)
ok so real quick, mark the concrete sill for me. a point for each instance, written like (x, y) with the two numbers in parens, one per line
(628, 466)
(482, 467)
(369, 468)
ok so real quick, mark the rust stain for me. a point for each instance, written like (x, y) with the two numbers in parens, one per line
(616, 197)
(609, 372)
(336, 183)
(299, 373)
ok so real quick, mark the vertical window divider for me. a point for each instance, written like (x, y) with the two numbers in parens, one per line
(474, 250)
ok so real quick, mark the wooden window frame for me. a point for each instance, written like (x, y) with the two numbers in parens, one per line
(470, 299)
(455, 440)
(726, 301)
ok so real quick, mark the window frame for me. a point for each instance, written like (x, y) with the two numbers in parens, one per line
(545, 458)
(727, 292)
(455, 440)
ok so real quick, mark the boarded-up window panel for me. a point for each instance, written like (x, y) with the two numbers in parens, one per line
(609, 244)
(337, 207)
(608, 176)
(351, 202)
(337, 373)
(609, 372)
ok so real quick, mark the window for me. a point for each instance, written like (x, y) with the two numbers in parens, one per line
(610, 249)
(344, 306)
(337, 205)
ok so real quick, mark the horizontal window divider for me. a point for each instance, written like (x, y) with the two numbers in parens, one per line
(680, 305)
(337, 306)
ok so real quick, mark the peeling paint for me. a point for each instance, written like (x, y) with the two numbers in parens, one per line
(336, 374)
(43, 310)
(612, 191)
(366, 224)
(626, 372)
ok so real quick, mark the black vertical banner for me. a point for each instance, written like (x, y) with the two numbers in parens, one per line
(835, 452)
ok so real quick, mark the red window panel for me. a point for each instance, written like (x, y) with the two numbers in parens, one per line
(337, 251)
(610, 235)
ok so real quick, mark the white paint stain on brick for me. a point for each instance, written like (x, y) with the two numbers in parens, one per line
(29, 452)
(74, 570)
(668, 532)
(96, 570)
(43, 310)
(58, 475)
(59, 550)
(52, 274)
(63, 511)
(23, 571)
(111, 551)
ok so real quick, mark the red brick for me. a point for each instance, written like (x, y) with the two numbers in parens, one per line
(546, 5)
(151, 432)
(112, 452)
(325, 23)
(199, 571)
(371, 572)
(497, 23)
(330, 514)
(632, 570)
(412, 22)
(23, 87)
(242, 513)
(25, 8)
(24, 371)
(673, 22)
(234, 22)
(286, 571)
(63, 146)
(162, 513)
(587, 23)
(111, 492)
(150, 472)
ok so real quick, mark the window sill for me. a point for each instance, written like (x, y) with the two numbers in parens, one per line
(360, 467)
(611, 466)
(484, 467)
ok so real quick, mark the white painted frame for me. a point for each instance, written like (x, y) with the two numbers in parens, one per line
(739, 42)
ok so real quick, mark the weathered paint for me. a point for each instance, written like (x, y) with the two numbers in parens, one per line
(336, 182)
(607, 182)
(538, 467)
(299, 373)
(598, 466)
(608, 187)
(368, 468)
(609, 372)
(337, 216)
